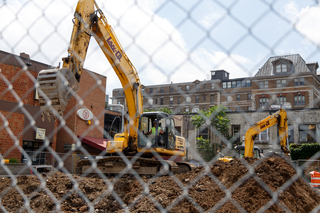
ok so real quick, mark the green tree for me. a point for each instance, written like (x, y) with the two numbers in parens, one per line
(215, 117)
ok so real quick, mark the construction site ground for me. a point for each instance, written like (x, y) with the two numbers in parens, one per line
(166, 192)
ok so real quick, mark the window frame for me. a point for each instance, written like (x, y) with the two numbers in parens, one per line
(211, 98)
(300, 102)
(263, 101)
(263, 84)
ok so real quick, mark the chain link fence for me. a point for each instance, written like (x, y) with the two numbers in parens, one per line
(239, 48)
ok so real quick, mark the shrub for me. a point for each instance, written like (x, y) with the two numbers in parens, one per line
(305, 151)
(13, 160)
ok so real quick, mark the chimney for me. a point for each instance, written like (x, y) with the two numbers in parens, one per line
(24, 55)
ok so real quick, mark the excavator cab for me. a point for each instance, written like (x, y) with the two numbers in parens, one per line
(239, 151)
(158, 129)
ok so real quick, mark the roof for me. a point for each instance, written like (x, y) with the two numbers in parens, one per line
(299, 65)
(99, 143)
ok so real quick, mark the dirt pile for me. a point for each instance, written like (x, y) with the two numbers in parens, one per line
(195, 191)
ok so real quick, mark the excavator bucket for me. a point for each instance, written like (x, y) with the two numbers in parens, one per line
(56, 85)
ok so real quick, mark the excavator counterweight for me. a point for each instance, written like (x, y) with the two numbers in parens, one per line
(58, 86)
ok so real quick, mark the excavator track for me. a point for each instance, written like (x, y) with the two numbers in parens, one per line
(142, 166)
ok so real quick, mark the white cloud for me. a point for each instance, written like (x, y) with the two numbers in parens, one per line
(305, 20)
(155, 47)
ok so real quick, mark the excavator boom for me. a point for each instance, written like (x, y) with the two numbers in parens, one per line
(57, 86)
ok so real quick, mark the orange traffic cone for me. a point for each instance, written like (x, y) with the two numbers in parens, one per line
(315, 179)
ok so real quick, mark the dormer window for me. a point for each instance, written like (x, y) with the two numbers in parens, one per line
(282, 66)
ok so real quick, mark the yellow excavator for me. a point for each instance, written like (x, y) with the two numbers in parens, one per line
(279, 118)
(249, 150)
(145, 153)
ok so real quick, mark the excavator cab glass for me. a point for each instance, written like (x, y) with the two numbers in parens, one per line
(158, 129)
(240, 151)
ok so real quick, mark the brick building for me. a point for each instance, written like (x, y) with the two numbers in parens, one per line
(281, 81)
(19, 107)
(20, 116)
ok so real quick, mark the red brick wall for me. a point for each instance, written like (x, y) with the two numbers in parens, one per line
(22, 83)
(93, 96)
(16, 123)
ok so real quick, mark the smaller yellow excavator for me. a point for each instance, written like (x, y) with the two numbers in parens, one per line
(249, 150)
(280, 118)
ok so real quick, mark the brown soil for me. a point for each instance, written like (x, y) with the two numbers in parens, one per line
(205, 192)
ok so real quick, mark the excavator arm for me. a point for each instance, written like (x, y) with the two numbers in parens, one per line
(279, 118)
(59, 85)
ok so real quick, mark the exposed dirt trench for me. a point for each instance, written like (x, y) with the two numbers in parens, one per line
(203, 194)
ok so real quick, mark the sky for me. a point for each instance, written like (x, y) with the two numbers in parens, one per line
(170, 41)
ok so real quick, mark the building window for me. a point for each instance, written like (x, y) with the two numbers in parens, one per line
(156, 101)
(299, 81)
(263, 136)
(187, 109)
(212, 98)
(197, 98)
(179, 100)
(234, 84)
(236, 133)
(179, 88)
(263, 102)
(281, 83)
(171, 100)
(307, 133)
(290, 134)
(161, 101)
(224, 85)
(171, 89)
(204, 98)
(249, 96)
(213, 73)
(197, 86)
(243, 83)
(249, 83)
(212, 85)
(263, 84)
(238, 97)
(161, 90)
(299, 100)
(196, 109)
(151, 90)
(204, 86)
(281, 68)
(150, 100)
(225, 74)
(249, 108)
(187, 87)
(281, 100)
(229, 84)
(238, 83)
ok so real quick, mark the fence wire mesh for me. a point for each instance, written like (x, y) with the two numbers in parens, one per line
(239, 48)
